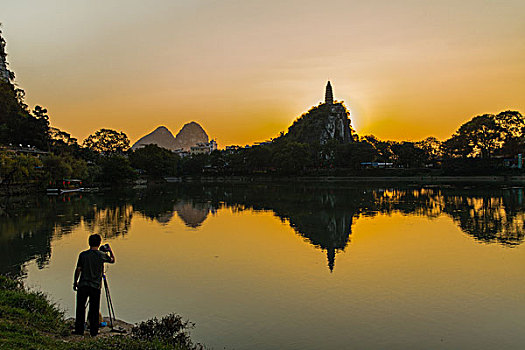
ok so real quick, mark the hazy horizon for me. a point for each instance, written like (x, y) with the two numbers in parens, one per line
(246, 70)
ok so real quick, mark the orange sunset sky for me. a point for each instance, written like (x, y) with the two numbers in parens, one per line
(246, 69)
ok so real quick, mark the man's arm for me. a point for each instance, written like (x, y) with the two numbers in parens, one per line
(75, 279)
(111, 256)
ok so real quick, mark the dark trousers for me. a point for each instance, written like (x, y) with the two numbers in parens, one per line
(94, 305)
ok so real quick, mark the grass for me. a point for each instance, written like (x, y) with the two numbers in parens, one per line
(28, 320)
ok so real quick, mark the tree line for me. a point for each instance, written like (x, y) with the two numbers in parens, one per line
(482, 144)
(105, 157)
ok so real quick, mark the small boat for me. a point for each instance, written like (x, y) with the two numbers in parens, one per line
(65, 186)
(89, 189)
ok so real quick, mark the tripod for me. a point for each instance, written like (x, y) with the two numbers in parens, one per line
(110, 303)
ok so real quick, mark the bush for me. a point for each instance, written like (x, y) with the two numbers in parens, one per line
(171, 329)
(10, 284)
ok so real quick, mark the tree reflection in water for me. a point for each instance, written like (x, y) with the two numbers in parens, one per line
(321, 214)
(110, 222)
(27, 226)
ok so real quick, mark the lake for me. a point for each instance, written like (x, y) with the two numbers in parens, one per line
(292, 265)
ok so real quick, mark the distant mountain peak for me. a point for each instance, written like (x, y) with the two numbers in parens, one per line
(188, 136)
(161, 137)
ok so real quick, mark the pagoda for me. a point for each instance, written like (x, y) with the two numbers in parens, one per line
(329, 96)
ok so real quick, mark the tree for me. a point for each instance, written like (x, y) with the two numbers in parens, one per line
(59, 137)
(258, 158)
(155, 161)
(407, 154)
(511, 122)
(217, 159)
(17, 124)
(62, 142)
(513, 125)
(56, 167)
(193, 165)
(107, 141)
(235, 160)
(292, 157)
(351, 155)
(116, 170)
(431, 148)
(456, 146)
(19, 168)
(513, 146)
(60, 167)
(480, 136)
(383, 148)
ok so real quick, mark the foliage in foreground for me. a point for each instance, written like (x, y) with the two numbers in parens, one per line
(28, 320)
(170, 329)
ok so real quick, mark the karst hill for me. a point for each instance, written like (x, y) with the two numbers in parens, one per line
(325, 122)
(190, 135)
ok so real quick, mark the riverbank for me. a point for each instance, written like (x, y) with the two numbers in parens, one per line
(28, 320)
(18, 190)
(422, 180)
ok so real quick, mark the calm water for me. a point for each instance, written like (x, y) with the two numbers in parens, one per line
(293, 266)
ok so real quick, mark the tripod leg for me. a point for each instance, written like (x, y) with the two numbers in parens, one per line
(109, 310)
(108, 300)
(111, 304)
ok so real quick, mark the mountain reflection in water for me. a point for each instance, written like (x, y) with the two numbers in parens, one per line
(322, 214)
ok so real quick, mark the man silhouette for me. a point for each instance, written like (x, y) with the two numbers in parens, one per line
(90, 268)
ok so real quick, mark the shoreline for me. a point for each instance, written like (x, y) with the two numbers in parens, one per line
(18, 189)
(517, 179)
(30, 320)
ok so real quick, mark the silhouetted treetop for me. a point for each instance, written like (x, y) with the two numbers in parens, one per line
(107, 141)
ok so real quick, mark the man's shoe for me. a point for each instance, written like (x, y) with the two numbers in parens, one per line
(77, 333)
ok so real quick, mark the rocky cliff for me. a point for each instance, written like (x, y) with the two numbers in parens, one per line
(321, 124)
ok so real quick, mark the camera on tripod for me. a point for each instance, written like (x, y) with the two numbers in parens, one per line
(105, 248)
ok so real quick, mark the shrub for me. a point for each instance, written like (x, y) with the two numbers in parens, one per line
(171, 329)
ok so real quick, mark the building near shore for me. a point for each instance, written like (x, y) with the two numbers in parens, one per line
(204, 147)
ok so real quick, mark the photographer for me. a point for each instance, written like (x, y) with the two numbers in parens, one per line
(90, 268)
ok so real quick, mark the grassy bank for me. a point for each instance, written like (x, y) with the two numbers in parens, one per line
(28, 320)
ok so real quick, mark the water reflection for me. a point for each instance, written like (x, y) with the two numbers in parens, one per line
(193, 214)
(322, 214)
(28, 225)
(110, 221)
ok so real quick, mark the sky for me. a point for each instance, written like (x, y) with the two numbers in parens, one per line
(245, 70)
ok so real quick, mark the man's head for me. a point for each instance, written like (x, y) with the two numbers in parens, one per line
(94, 240)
